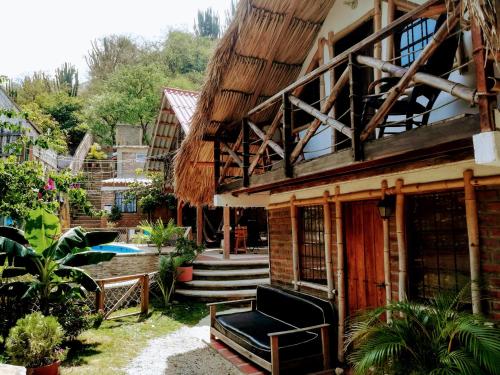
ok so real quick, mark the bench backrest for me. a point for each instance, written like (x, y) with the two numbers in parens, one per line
(293, 308)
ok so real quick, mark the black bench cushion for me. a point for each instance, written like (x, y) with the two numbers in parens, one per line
(292, 307)
(250, 330)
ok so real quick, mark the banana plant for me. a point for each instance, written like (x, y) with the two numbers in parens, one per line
(43, 263)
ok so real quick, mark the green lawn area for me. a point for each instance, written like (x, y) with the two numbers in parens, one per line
(109, 348)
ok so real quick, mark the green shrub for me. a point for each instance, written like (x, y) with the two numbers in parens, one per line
(96, 153)
(74, 316)
(188, 250)
(167, 276)
(35, 340)
(115, 215)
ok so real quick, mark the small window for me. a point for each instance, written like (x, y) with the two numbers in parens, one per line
(140, 158)
(125, 203)
(437, 244)
(413, 38)
(312, 263)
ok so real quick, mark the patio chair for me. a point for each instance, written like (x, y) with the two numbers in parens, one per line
(439, 65)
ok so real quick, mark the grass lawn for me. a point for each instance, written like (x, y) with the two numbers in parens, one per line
(111, 347)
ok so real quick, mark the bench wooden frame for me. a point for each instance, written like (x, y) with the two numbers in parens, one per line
(274, 365)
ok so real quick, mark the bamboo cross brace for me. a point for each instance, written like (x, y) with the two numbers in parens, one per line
(236, 146)
(123, 298)
(270, 142)
(233, 154)
(269, 134)
(406, 79)
(337, 88)
(344, 129)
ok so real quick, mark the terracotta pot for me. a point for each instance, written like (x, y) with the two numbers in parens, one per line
(185, 273)
(52, 369)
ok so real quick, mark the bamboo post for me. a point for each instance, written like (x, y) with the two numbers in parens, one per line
(340, 274)
(391, 13)
(355, 97)
(377, 47)
(325, 345)
(275, 356)
(246, 150)
(217, 163)
(145, 294)
(387, 257)
(400, 235)
(227, 231)
(327, 216)
(473, 235)
(295, 242)
(213, 313)
(199, 224)
(287, 135)
(100, 296)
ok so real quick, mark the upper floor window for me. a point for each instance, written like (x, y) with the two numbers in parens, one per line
(125, 203)
(413, 38)
(312, 263)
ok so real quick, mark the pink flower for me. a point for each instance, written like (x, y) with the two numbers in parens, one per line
(51, 185)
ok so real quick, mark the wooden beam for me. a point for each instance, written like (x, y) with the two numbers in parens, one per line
(287, 135)
(216, 164)
(473, 236)
(400, 235)
(391, 14)
(326, 107)
(340, 275)
(325, 119)
(227, 231)
(180, 205)
(405, 80)
(236, 146)
(246, 150)
(387, 257)
(453, 88)
(355, 98)
(277, 148)
(327, 215)
(377, 47)
(269, 135)
(199, 224)
(341, 57)
(295, 242)
(486, 102)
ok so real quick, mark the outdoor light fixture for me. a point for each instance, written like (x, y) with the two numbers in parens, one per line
(386, 206)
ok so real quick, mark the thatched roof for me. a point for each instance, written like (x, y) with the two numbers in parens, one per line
(267, 38)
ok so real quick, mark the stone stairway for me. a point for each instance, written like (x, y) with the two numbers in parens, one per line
(94, 172)
(217, 280)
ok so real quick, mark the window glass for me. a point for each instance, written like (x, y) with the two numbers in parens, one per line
(413, 38)
(125, 203)
(311, 245)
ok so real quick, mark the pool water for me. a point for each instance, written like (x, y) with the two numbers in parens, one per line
(117, 248)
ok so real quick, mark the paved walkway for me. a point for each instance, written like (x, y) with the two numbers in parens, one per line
(186, 351)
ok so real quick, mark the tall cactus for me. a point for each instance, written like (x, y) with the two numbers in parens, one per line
(66, 79)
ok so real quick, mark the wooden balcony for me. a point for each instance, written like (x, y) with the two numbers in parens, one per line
(377, 114)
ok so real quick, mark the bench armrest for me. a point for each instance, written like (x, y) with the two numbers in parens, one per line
(230, 302)
(282, 333)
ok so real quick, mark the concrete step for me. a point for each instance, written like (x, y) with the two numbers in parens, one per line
(215, 295)
(231, 264)
(217, 274)
(223, 284)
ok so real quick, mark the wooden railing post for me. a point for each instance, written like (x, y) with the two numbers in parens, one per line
(216, 164)
(355, 95)
(100, 296)
(246, 150)
(145, 294)
(287, 135)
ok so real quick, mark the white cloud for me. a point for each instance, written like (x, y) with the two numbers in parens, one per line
(41, 35)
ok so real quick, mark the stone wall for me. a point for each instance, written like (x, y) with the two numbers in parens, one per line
(125, 264)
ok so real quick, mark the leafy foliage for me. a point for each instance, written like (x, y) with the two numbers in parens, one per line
(96, 153)
(53, 261)
(167, 276)
(435, 338)
(35, 340)
(187, 250)
(153, 195)
(207, 24)
(159, 233)
(115, 215)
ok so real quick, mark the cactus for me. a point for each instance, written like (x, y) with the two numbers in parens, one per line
(66, 79)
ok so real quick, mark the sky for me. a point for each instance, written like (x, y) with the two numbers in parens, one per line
(40, 35)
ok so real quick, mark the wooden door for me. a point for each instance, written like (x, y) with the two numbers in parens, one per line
(365, 256)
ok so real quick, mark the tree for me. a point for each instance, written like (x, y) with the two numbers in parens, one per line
(109, 52)
(230, 14)
(103, 112)
(207, 24)
(66, 79)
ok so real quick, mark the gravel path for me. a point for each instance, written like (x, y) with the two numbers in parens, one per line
(183, 352)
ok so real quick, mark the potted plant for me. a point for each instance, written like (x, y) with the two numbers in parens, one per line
(187, 250)
(34, 343)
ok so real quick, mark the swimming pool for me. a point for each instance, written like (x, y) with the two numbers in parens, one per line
(118, 248)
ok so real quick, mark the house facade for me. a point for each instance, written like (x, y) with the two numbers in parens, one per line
(368, 130)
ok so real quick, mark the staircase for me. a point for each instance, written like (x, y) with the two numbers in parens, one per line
(94, 173)
(217, 280)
